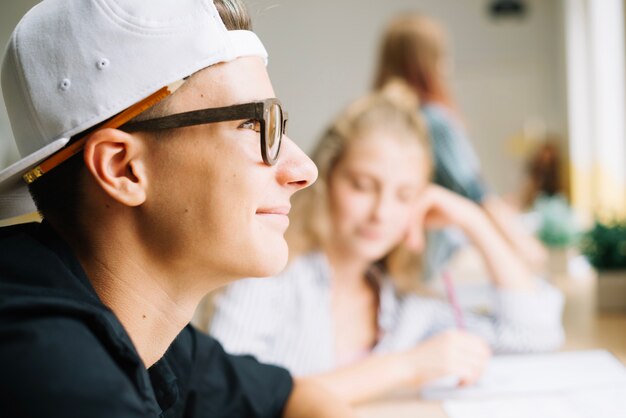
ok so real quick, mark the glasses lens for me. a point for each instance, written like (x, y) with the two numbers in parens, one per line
(274, 131)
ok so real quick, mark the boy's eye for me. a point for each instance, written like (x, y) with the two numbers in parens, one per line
(253, 124)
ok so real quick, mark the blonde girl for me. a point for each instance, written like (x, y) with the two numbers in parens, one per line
(342, 312)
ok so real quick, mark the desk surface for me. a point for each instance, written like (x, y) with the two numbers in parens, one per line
(586, 328)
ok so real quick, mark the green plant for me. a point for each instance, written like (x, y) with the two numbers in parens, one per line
(558, 227)
(605, 245)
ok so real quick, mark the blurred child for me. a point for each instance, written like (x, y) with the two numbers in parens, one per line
(543, 175)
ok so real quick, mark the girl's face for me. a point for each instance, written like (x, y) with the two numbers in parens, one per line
(372, 190)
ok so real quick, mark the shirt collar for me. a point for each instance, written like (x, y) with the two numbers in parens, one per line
(387, 296)
(388, 304)
(159, 385)
(165, 384)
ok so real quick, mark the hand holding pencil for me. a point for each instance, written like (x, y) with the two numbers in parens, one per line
(451, 355)
(453, 300)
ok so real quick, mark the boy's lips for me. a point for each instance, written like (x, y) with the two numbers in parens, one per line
(278, 215)
(277, 210)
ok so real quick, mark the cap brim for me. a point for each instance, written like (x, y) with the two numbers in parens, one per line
(15, 199)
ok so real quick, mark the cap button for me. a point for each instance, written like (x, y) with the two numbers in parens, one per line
(102, 63)
(65, 84)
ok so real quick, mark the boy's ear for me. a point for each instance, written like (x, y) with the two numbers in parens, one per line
(116, 161)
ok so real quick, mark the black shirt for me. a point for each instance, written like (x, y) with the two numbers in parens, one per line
(63, 353)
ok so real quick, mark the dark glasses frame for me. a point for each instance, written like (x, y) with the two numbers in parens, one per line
(260, 110)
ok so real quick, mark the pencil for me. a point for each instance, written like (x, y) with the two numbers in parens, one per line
(451, 294)
(115, 122)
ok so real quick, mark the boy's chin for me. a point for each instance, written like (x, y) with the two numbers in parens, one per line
(271, 264)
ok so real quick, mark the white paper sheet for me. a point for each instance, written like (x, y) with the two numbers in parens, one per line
(540, 374)
(594, 403)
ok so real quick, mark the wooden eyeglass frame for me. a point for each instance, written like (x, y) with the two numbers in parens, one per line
(259, 110)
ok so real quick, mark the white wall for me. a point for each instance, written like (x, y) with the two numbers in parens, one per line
(322, 55)
(10, 13)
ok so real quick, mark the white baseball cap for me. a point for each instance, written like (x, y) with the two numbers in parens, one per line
(71, 64)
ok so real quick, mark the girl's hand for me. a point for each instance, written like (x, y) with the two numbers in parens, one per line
(451, 353)
(436, 208)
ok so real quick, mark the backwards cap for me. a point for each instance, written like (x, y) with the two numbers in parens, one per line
(71, 64)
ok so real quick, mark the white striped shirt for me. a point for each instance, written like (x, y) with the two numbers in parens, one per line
(286, 320)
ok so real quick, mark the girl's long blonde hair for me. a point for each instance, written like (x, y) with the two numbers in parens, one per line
(393, 108)
(413, 48)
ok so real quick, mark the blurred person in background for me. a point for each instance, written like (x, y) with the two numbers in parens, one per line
(544, 175)
(543, 199)
(344, 312)
(414, 48)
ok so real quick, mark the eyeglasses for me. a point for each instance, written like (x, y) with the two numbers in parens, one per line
(269, 113)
